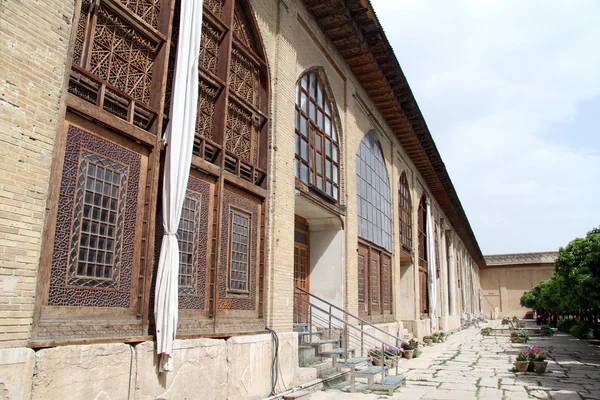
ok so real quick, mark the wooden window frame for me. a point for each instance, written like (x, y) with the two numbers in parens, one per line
(379, 309)
(248, 216)
(405, 213)
(317, 138)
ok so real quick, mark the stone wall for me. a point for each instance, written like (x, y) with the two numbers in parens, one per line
(236, 368)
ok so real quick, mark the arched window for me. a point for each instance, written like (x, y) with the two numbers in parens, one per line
(404, 210)
(423, 272)
(374, 213)
(374, 195)
(317, 145)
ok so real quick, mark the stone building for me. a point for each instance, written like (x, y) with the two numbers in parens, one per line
(312, 167)
(507, 276)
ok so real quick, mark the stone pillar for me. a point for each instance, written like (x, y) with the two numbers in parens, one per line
(452, 275)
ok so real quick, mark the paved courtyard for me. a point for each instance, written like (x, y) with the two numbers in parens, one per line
(470, 366)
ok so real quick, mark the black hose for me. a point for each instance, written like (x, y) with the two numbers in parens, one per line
(275, 363)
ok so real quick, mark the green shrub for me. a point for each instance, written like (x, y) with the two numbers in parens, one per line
(582, 330)
(566, 325)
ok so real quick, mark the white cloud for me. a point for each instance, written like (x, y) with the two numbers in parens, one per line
(493, 80)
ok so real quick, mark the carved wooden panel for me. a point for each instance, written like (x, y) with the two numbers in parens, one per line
(209, 47)
(362, 277)
(121, 56)
(215, 6)
(242, 28)
(244, 77)
(386, 281)
(239, 134)
(148, 10)
(207, 96)
(93, 256)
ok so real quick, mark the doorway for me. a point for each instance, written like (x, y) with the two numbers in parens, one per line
(301, 268)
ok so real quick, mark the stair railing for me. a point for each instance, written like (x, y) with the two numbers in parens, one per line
(350, 332)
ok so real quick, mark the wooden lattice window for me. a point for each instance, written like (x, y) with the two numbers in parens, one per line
(188, 236)
(116, 58)
(404, 210)
(423, 271)
(239, 249)
(231, 124)
(374, 206)
(317, 145)
(102, 209)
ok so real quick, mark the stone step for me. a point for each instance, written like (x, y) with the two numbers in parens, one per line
(336, 352)
(390, 382)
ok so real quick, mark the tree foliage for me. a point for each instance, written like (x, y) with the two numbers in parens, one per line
(574, 287)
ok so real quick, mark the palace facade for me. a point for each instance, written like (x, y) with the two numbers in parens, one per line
(312, 168)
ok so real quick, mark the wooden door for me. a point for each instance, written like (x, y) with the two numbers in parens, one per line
(301, 269)
(374, 282)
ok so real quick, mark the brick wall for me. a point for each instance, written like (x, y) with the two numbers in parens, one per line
(34, 38)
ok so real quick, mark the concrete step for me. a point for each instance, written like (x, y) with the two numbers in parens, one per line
(390, 383)
(306, 374)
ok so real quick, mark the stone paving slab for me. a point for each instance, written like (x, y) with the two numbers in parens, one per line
(469, 366)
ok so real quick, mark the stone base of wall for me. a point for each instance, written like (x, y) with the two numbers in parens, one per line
(236, 368)
(16, 372)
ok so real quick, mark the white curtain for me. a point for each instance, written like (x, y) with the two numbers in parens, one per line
(432, 266)
(180, 138)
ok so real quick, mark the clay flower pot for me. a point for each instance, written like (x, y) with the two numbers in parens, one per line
(408, 354)
(521, 366)
(428, 342)
(540, 366)
(378, 362)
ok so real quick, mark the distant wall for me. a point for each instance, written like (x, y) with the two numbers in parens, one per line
(503, 287)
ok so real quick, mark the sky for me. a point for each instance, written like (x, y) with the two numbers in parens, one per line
(510, 91)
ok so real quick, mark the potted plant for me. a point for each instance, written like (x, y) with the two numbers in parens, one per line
(540, 363)
(524, 336)
(436, 337)
(428, 340)
(391, 355)
(505, 321)
(376, 356)
(522, 362)
(486, 331)
(410, 348)
(443, 337)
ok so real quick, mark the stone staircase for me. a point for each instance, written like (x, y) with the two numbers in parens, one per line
(344, 364)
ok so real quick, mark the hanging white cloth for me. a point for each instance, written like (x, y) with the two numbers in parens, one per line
(432, 266)
(180, 139)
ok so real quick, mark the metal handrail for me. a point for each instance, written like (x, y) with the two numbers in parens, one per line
(347, 325)
(362, 321)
